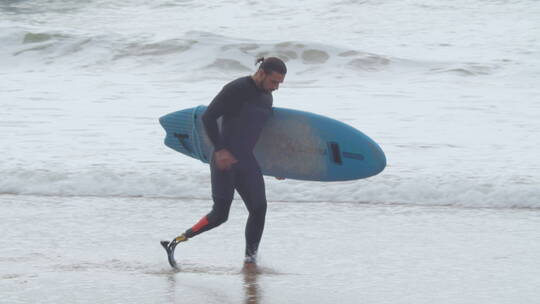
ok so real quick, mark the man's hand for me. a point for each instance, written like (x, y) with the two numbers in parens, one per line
(280, 178)
(224, 159)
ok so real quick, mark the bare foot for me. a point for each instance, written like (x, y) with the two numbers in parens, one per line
(250, 268)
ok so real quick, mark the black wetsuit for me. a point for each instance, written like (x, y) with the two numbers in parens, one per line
(244, 109)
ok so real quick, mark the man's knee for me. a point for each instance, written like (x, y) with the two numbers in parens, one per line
(220, 211)
(218, 218)
(257, 209)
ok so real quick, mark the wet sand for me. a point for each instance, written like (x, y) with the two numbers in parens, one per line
(106, 250)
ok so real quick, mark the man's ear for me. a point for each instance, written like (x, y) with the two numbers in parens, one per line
(260, 74)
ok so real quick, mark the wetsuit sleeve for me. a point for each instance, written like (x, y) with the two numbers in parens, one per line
(224, 102)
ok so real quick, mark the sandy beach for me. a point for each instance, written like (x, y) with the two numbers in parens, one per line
(106, 250)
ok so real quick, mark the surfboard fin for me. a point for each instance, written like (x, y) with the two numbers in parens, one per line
(336, 153)
(181, 138)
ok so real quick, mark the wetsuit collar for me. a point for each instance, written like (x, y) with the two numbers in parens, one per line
(257, 86)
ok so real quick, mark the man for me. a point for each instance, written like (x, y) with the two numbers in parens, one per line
(244, 106)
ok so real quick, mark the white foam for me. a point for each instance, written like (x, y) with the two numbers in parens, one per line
(193, 183)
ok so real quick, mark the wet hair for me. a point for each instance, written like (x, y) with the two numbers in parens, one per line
(272, 64)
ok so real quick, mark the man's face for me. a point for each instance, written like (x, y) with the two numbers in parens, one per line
(270, 82)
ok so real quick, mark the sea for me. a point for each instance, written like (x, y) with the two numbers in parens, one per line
(448, 89)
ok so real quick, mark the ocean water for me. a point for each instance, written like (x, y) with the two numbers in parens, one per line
(449, 89)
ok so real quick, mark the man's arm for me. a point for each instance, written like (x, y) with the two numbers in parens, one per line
(225, 102)
(215, 110)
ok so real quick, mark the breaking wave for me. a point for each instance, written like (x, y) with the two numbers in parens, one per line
(197, 51)
(194, 184)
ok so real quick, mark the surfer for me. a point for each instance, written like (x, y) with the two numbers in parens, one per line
(244, 105)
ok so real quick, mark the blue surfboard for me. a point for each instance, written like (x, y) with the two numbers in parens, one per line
(293, 144)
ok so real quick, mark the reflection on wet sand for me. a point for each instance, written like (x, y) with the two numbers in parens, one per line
(250, 276)
(251, 286)
(171, 280)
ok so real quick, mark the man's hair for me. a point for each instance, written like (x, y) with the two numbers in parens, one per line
(272, 64)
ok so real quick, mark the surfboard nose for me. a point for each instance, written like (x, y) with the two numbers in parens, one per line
(378, 158)
(381, 163)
